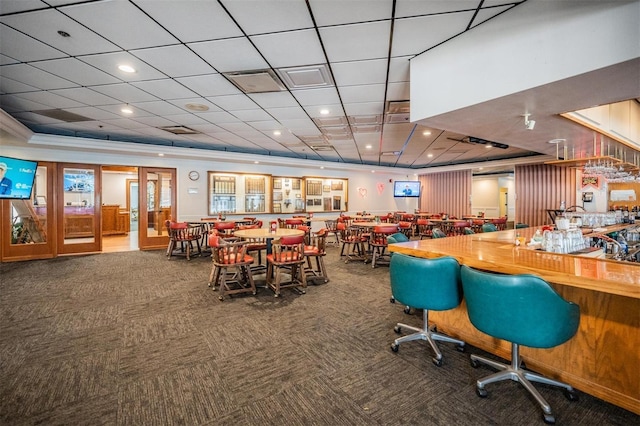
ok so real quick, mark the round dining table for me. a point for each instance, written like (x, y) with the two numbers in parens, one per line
(267, 234)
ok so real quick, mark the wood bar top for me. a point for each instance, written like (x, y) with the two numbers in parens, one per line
(496, 252)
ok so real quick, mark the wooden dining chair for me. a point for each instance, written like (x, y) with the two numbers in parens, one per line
(226, 256)
(287, 256)
(378, 243)
(183, 236)
(315, 252)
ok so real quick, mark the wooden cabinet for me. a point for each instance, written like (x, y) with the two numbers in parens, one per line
(114, 220)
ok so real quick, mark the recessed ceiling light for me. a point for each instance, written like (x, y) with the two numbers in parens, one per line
(488, 146)
(426, 133)
(126, 110)
(557, 141)
(373, 171)
(197, 107)
(322, 167)
(160, 155)
(126, 68)
(429, 155)
(277, 132)
(368, 146)
(256, 162)
(324, 111)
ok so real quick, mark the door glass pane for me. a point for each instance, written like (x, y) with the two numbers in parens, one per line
(29, 217)
(158, 202)
(79, 206)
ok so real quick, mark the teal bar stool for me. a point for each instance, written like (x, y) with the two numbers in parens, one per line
(438, 233)
(489, 227)
(427, 284)
(525, 310)
(398, 237)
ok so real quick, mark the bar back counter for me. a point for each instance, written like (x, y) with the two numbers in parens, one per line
(603, 358)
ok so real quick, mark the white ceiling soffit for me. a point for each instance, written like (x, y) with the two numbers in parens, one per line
(306, 77)
(258, 81)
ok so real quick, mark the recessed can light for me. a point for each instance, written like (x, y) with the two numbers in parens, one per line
(426, 133)
(277, 132)
(126, 68)
(324, 111)
(197, 107)
(126, 110)
(557, 141)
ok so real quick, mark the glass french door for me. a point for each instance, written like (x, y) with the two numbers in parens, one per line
(28, 226)
(78, 206)
(157, 204)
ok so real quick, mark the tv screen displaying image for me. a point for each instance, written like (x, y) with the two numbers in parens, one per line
(16, 178)
(407, 188)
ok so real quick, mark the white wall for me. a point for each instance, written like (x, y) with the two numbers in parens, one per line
(485, 195)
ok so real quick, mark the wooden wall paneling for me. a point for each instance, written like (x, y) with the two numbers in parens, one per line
(540, 187)
(447, 192)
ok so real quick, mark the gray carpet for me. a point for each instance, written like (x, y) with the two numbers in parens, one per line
(133, 338)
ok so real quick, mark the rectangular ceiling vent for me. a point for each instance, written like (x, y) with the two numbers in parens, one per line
(397, 118)
(335, 131)
(390, 153)
(397, 107)
(62, 115)
(367, 129)
(179, 130)
(322, 148)
(365, 120)
(313, 140)
(306, 77)
(258, 81)
(330, 121)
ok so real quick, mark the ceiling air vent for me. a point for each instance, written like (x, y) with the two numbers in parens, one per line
(179, 130)
(306, 77)
(397, 112)
(62, 115)
(258, 81)
(322, 147)
(390, 153)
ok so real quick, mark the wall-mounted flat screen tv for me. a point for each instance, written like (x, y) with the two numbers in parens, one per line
(406, 188)
(16, 178)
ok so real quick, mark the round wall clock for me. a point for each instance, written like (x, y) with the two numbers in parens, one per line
(193, 175)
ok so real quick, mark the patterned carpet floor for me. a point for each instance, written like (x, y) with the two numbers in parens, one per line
(135, 339)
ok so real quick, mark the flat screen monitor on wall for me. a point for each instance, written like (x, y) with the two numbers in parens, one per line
(16, 178)
(406, 188)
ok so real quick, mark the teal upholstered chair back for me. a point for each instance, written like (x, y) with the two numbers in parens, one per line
(437, 233)
(468, 231)
(432, 284)
(398, 237)
(489, 227)
(522, 309)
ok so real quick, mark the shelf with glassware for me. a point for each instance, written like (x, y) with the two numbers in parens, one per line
(309, 194)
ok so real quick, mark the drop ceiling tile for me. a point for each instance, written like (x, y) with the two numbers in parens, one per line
(109, 63)
(50, 99)
(201, 20)
(125, 92)
(267, 125)
(125, 123)
(288, 113)
(251, 115)
(77, 71)
(405, 8)
(412, 36)
(81, 40)
(86, 96)
(117, 110)
(315, 111)
(274, 100)
(207, 128)
(399, 69)
(24, 48)
(364, 108)
(32, 118)
(121, 23)
(361, 72)
(93, 113)
(288, 49)
(237, 127)
(373, 41)
(165, 89)
(18, 103)
(182, 104)
(12, 6)
(320, 96)
(229, 55)
(218, 117)
(8, 85)
(158, 107)
(485, 14)
(265, 16)
(156, 121)
(35, 77)
(233, 102)
(398, 91)
(300, 126)
(6, 60)
(174, 61)
(209, 85)
(363, 93)
(338, 12)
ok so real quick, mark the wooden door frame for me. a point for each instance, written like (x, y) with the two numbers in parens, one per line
(156, 242)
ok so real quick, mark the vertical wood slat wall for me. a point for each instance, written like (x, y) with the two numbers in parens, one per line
(446, 192)
(540, 187)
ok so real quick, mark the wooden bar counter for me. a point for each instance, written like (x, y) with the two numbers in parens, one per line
(603, 358)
